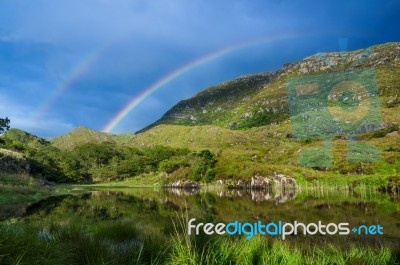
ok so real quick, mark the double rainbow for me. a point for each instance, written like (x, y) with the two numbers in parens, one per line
(90, 60)
(135, 101)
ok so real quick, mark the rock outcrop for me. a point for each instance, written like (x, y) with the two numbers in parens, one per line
(182, 184)
(13, 163)
(261, 182)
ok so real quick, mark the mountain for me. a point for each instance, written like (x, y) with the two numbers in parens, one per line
(21, 139)
(245, 122)
(213, 105)
(261, 99)
(83, 135)
(257, 103)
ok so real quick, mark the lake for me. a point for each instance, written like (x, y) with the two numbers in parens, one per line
(157, 213)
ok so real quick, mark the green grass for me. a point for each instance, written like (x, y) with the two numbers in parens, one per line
(99, 231)
(126, 243)
(20, 188)
(71, 244)
(304, 179)
(141, 181)
(258, 250)
(82, 135)
(262, 150)
(201, 249)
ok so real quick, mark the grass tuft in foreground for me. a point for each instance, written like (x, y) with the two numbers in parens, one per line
(126, 243)
(258, 250)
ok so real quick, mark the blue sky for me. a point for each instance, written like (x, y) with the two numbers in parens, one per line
(102, 53)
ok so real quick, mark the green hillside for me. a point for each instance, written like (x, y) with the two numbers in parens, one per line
(208, 121)
(215, 105)
(19, 139)
(237, 129)
(79, 136)
(261, 99)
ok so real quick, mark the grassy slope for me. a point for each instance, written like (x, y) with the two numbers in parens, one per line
(81, 135)
(215, 104)
(264, 148)
(244, 104)
(261, 146)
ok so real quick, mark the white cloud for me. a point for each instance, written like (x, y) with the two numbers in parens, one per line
(22, 117)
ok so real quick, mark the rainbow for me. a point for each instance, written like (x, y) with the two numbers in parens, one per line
(78, 71)
(185, 68)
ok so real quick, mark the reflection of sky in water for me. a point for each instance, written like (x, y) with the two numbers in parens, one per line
(155, 208)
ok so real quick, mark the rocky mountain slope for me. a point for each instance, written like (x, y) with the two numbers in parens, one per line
(253, 134)
(245, 122)
(215, 104)
(261, 99)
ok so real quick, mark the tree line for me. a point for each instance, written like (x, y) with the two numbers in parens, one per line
(108, 161)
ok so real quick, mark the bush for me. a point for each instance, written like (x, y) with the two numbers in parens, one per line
(355, 168)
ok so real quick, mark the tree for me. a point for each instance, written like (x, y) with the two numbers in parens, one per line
(203, 163)
(4, 125)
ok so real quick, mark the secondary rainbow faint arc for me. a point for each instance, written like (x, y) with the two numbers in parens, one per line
(80, 69)
(174, 74)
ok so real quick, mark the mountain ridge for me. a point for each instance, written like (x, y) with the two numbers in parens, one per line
(253, 133)
(235, 92)
(261, 99)
(265, 103)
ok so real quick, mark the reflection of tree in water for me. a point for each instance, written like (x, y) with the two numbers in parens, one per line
(154, 209)
(92, 206)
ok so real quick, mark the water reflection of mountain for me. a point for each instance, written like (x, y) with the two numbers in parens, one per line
(276, 196)
(153, 209)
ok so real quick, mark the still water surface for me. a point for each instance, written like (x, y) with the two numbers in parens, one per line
(154, 209)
